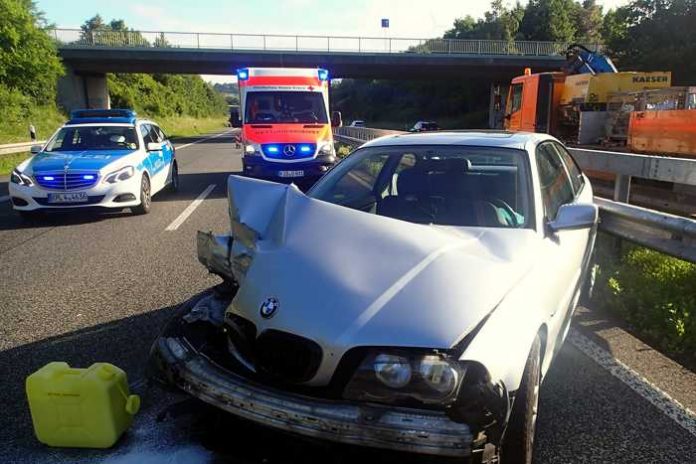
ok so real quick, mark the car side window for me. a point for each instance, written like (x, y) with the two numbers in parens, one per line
(156, 133)
(576, 177)
(556, 187)
(145, 132)
(161, 133)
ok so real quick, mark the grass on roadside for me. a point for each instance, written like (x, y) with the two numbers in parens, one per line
(9, 162)
(185, 126)
(654, 293)
(46, 119)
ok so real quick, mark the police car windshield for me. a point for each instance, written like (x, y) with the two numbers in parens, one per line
(94, 138)
(285, 107)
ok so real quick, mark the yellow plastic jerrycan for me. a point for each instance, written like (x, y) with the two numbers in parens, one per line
(82, 408)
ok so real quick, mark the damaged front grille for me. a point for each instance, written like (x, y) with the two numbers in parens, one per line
(274, 354)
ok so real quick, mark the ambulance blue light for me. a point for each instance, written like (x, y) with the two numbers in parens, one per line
(305, 148)
(273, 149)
(323, 74)
(242, 74)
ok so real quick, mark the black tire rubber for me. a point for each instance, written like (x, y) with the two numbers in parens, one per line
(145, 196)
(29, 216)
(518, 441)
(174, 184)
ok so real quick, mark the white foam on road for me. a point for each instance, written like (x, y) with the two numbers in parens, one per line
(4, 198)
(646, 389)
(190, 208)
(190, 454)
(179, 147)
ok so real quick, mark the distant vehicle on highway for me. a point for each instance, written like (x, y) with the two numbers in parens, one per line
(429, 329)
(357, 123)
(285, 124)
(424, 126)
(99, 158)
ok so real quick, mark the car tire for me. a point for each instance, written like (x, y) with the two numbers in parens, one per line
(518, 441)
(145, 196)
(174, 184)
(29, 216)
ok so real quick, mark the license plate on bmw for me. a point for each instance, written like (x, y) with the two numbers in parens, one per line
(73, 197)
(290, 173)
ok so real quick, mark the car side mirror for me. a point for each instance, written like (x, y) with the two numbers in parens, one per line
(336, 119)
(35, 149)
(575, 216)
(154, 146)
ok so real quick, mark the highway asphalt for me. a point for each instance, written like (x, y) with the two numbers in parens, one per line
(82, 288)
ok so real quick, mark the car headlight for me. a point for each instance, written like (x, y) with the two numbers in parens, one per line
(394, 376)
(327, 148)
(252, 149)
(20, 179)
(124, 173)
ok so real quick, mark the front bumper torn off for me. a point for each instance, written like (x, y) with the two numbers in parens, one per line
(403, 429)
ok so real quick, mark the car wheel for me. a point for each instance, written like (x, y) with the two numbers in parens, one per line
(518, 441)
(145, 197)
(174, 184)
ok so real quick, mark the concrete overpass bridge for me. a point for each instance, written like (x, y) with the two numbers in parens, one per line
(88, 56)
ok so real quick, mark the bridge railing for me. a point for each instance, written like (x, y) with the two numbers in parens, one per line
(670, 234)
(70, 38)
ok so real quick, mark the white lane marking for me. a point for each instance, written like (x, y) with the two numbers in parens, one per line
(190, 208)
(201, 140)
(4, 198)
(650, 392)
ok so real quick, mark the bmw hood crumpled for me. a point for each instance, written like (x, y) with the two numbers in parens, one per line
(345, 278)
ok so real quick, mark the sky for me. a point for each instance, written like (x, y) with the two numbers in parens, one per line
(407, 18)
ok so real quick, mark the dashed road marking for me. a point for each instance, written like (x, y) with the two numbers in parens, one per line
(4, 198)
(190, 208)
(636, 382)
(201, 140)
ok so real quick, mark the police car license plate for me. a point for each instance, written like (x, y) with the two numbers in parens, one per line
(75, 197)
(290, 173)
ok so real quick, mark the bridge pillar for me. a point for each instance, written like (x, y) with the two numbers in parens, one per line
(496, 109)
(83, 91)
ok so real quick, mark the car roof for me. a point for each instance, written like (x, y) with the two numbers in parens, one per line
(479, 138)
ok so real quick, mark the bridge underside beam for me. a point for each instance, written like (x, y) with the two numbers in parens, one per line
(344, 65)
(78, 89)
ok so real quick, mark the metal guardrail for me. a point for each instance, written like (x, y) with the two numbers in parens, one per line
(19, 147)
(70, 38)
(667, 233)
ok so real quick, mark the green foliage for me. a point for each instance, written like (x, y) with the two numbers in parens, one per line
(653, 292)
(500, 23)
(165, 95)
(29, 63)
(550, 20)
(654, 35)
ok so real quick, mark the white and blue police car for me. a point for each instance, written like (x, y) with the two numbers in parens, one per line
(99, 158)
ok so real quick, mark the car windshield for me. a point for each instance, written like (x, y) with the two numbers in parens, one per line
(446, 185)
(285, 107)
(94, 138)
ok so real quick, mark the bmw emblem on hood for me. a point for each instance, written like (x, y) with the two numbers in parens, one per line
(269, 307)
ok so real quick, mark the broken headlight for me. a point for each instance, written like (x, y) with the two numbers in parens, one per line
(399, 377)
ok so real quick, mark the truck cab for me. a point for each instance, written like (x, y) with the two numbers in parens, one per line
(286, 129)
(532, 102)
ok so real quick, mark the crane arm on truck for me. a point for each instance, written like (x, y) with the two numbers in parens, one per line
(581, 60)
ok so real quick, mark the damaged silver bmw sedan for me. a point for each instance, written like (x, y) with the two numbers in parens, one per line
(413, 300)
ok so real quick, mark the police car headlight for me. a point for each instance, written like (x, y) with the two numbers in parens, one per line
(327, 148)
(122, 174)
(20, 179)
(252, 149)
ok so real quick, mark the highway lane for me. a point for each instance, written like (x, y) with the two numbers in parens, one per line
(84, 288)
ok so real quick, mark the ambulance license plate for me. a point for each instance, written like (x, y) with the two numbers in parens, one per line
(290, 173)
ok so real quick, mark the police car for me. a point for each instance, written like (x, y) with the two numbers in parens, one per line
(99, 158)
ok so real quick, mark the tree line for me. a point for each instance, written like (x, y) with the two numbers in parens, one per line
(644, 35)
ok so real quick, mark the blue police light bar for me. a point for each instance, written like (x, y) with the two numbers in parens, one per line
(323, 74)
(113, 113)
(242, 74)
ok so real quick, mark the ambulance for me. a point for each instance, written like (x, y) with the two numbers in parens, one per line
(284, 117)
